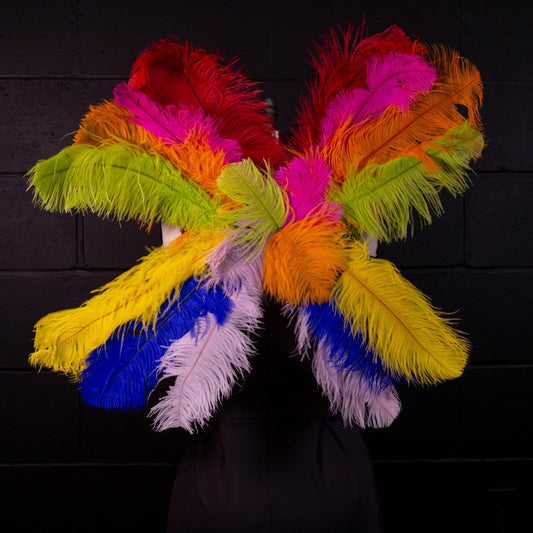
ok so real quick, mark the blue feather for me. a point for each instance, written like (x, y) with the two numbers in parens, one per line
(121, 373)
(348, 351)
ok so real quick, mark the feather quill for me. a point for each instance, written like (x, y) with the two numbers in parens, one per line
(173, 72)
(121, 373)
(206, 365)
(397, 322)
(120, 181)
(64, 339)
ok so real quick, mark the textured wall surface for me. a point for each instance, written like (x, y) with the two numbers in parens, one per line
(458, 459)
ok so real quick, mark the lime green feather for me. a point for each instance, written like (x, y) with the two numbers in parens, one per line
(259, 208)
(382, 199)
(120, 181)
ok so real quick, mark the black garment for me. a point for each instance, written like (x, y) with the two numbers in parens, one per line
(274, 459)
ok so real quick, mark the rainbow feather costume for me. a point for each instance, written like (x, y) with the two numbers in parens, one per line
(388, 123)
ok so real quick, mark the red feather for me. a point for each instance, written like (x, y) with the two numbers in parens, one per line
(340, 65)
(174, 72)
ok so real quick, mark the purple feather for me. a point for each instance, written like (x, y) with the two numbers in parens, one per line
(392, 79)
(173, 123)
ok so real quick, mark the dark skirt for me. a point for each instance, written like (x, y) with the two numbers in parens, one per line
(274, 459)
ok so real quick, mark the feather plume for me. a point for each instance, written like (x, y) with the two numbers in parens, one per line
(340, 64)
(349, 395)
(393, 79)
(260, 206)
(173, 123)
(65, 338)
(108, 123)
(172, 72)
(397, 322)
(305, 180)
(347, 351)
(303, 260)
(120, 181)
(382, 198)
(396, 134)
(121, 373)
(207, 365)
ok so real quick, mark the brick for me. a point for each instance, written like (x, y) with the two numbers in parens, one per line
(37, 37)
(458, 496)
(127, 436)
(493, 308)
(39, 116)
(112, 34)
(112, 245)
(496, 412)
(297, 24)
(39, 416)
(86, 498)
(494, 39)
(507, 107)
(426, 428)
(33, 238)
(499, 221)
(26, 297)
(439, 244)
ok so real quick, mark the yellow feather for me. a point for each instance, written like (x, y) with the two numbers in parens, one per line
(65, 338)
(397, 320)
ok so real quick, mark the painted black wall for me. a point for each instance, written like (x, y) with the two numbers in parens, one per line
(458, 459)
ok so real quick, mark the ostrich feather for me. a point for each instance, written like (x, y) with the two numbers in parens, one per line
(395, 134)
(393, 79)
(121, 373)
(174, 123)
(340, 64)
(382, 199)
(305, 180)
(350, 396)
(174, 72)
(259, 209)
(108, 123)
(64, 339)
(397, 322)
(120, 181)
(206, 365)
(303, 260)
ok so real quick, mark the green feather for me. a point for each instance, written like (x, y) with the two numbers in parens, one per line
(382, 199)
(260, 209)
(120, 181)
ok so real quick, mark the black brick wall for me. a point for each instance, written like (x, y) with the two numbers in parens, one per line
(458, 459)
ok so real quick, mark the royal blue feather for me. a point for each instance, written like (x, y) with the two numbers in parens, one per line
(121, 373)
(347, 350)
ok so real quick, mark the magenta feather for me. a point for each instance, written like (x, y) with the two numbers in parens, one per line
(174, 123)
(305, 180)
(393, 79)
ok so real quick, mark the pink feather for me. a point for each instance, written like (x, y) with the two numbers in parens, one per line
(305, 180)
(173, 123)
(393, 79)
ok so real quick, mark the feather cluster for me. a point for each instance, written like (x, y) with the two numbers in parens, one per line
(387, 124)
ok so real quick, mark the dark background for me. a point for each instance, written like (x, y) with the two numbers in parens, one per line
(459, 458)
